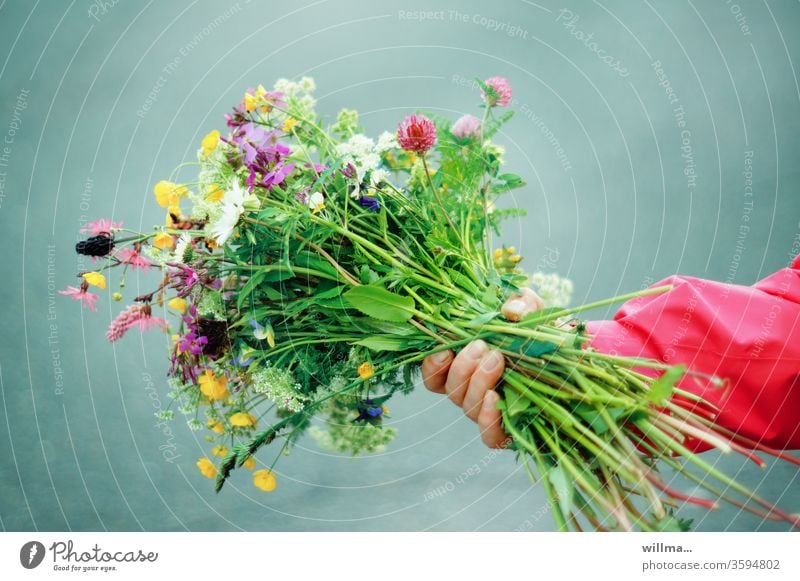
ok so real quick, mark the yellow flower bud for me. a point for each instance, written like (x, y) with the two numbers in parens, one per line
(117, 297)
(163, 241)
(265, 480)
(210, 141)
(178, 304)
(207, 468)
(250, 463)
(95, 279)
(219, 451)
(366, 370)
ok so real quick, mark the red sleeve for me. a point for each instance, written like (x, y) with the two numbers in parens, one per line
(747, 334)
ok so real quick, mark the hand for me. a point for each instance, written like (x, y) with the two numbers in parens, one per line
(469, 378)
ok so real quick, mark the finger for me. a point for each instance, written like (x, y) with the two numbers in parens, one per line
(489, 418)
(434, 370)
(520, 304)
(490, 369)
(464, 365)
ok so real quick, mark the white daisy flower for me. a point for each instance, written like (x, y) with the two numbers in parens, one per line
(233, 206)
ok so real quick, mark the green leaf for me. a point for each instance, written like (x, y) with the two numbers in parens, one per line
(565, 488)
(515, 403)
(662, 388)
(506, 182)
(378, 303)
(249, 287)
(483, 319)
(531, 347)
(592, 417)
(383, 343)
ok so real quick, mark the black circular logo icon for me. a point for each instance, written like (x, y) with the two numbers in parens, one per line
(31, 554)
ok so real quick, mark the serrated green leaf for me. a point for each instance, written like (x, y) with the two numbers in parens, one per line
(379, 303)
(515, 403)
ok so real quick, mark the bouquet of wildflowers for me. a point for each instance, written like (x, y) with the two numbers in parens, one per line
(310, 268)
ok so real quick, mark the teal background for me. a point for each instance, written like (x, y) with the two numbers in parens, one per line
(79, 446)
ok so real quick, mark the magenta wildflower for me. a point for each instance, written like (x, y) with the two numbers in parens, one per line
(499, 93)
(81, 294)
(100, 226)
(416, 133)
(134, 316)
(129, 255)
(467, 126)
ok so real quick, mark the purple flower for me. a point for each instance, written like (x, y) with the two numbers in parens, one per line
(371, 203)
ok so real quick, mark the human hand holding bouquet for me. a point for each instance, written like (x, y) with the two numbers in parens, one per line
(317, 268)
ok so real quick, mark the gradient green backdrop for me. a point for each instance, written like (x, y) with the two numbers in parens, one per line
(101, 99)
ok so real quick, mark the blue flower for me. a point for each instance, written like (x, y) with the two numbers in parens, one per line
(371, 203)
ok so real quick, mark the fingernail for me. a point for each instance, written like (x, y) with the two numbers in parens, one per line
(476, 349)
(490, 400)
(441, 357)
(515, 308)
(491, 361)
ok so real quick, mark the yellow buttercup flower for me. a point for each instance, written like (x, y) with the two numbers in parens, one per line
(163, 241)
(210, 141)
(216, 427)
(207, 468)
(178, 304)
(215, 193)
(168, 193)
(212, 386)
(219, 451)
(95, 279)
(242, 420)
(289, 124)
(250, 463)
(265, 480)
(366, 370)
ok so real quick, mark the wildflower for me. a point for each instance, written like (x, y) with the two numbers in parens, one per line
(212, 386)
(416, 133)
(467, 126)
(134, 316)
(101, 226)
(99, 245)
(371, 203)
(265, 480)
(95, 279)
(289, 124)
(178, 304)
(163, 241)
(242, 420)
(498, 93)
(168, 193)
(386, 141)
(316, 202)
(262, 333)
(219, 451)
(210, 141)
(192, 343)
(132, 256)
(81, 294)
(233, 206)
(216, 427)
(250, 463)
(366, 370)
(214, 193)
(207, 468)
